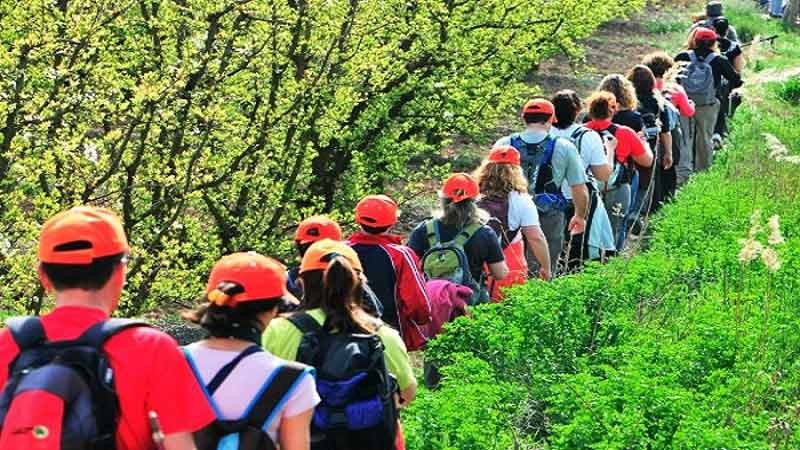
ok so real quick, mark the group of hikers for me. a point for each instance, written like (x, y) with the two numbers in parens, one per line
(317, 356)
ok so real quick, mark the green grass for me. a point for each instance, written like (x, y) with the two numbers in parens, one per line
(750, 22)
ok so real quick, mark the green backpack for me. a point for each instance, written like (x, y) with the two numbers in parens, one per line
(448, 260)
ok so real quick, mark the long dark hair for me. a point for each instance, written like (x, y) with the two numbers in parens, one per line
(337, 291)
(240, 322)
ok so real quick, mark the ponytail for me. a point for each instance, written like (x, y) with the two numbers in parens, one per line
(341, 298)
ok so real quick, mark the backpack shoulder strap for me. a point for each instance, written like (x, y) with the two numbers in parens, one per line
(710, 57)
(27, 332)
(549, 148)
(692, 56)
(275, 393)
(305, 323)
(226, 370)
(432, 230)
(188, 355)
(100, 332)
(466, 234)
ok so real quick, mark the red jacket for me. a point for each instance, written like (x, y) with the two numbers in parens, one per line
(393, 272)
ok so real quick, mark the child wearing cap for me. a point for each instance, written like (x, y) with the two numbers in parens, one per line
(82, 256)
(514, 216)
(331, 275)
(548, 163)
(459, 213)
(310, 230)
(392, 269)
(242, 296)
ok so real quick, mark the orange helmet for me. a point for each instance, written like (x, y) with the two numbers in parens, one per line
(377, 211)
(460, 187)
(316, 228)
(259, 277)
(321, 252)
(504, 154)
(80, 235)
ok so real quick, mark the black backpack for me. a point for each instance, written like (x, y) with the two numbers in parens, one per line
(77, 372)
(358, 409)
(498, 210)
(249, 431)
(623, 172)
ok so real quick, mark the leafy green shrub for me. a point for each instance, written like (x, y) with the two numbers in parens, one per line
(790, 90)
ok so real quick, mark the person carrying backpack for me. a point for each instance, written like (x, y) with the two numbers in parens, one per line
(598, 161)
(363, 369)
(733, 52)
(714, 11)
(260, 401)
(75, 379)
(629, 151)
(310, 230)
(456, 245)
(513, 216)
(548, 162)
(392, 269)
(662, 65)
(702, 80)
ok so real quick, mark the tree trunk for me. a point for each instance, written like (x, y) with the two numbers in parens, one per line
(791, 13)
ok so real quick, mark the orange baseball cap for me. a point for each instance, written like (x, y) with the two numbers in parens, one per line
(321, 252)
(80, 235)
(504, 154)
(260, 277)
(705, 34)
(316, 228)
(376, 211)
(539, 106)
(460, 186)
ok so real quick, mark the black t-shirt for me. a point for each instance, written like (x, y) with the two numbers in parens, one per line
(729, 48)
(630, 119)
(482, 248)
(720, 66)
(648, 104)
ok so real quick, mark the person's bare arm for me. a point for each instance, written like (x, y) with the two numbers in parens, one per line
(645, 159)
(666, 147)
(602, 172)
(580, 197)
(538, 243)
(294, 433)
(739, 62)
(407, 395)
(499, 270)
(179, 441)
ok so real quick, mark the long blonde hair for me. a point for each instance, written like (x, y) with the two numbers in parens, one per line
(499, 180)
(622, 89)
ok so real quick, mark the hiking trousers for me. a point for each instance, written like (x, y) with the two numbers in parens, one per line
(552, 224)
(685, 159)
(705, 119)
(721, 128)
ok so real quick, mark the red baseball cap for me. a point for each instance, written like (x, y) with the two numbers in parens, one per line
(460, 187)
(321, 252)
(705, 34)
(80, 235)
(316, 228)
(376, 211)
(504, 154)
(260, 277)
(539, 106)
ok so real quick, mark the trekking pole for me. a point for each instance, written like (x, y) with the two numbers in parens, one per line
(770, 39)
(158, 434)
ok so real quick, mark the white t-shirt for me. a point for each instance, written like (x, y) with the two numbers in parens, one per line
(244, 383)
(521, 212)
(592, 150)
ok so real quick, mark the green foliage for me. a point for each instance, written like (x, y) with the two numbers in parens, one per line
(691, 345)
(790, 91)
(213, 126)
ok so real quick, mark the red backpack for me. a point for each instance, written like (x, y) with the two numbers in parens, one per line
(60, 394)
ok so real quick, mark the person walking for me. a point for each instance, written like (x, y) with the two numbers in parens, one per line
(505, 197)
(82, 258)
(661, 64)
(629, 150)
(703, 79)
(392, 269)
(352, 352)
(240, 379)
(548, 163)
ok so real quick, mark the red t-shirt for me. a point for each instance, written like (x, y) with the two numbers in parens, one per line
(628, 142)
(151, 375)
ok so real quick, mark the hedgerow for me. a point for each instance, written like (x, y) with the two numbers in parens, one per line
(694, 344)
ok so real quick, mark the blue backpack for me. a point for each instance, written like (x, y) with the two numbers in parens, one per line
(537, 164)
(249, 431)
(358, 409)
